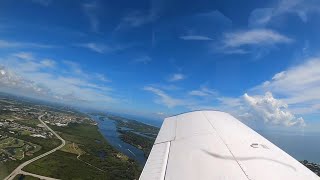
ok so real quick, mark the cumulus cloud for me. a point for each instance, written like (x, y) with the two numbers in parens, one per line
(11, 82)
(176, 77)
(41, 78)
(270, 110)
(299, 86)
(164, 98)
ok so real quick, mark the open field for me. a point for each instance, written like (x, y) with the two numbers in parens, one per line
(23, 177)
(73, 148)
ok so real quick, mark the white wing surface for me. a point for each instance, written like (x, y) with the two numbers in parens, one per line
(213, 145)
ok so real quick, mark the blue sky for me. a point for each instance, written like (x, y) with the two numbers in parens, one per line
(258, 60)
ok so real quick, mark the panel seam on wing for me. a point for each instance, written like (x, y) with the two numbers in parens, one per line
(226, 145)
(165, 172)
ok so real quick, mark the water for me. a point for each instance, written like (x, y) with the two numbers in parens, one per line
(109, 130)
(299, 146)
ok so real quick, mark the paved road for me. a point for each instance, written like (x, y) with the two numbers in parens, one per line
(37, 176)
(18, 170)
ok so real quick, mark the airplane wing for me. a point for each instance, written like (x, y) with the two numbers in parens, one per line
(214, 145)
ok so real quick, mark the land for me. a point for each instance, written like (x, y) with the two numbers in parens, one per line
(56, 142)
(312, 166)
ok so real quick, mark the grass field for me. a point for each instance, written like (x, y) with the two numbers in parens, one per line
(73, 148)
(23, 177)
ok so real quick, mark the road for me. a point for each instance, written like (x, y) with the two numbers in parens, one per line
(18, 170)
(37, 176)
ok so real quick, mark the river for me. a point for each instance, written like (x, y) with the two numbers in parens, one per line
(108, 129)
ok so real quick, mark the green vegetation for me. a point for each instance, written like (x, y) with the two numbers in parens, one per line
(64, 165)
(23, 177)
(72, 148)
(143, 143)
(105, 162)
(28, 122)
(33, 147)
(136, 126)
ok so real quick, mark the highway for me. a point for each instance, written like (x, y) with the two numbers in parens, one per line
(18, 170)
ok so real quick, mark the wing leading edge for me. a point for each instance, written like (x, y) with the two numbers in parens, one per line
(214, 145)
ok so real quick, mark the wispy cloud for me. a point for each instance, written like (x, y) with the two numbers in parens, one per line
(203, 92)
(91, 10)
(14, 44)
(136, 19)
(24, 55)
(42, 2)
(263, 16)
(176, 77)
(196, 38)
(102, 77)
(143, 59)
(254, 37)
(102, 48)
(241, 42)
(164, 98)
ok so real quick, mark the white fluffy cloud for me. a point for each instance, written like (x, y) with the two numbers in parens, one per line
(270, 110)
(11, 82)
(299, 86)
(41, 78)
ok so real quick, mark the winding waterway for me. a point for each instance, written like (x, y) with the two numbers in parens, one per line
(108, 129)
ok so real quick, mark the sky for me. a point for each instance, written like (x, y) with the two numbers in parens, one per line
(257, 60)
